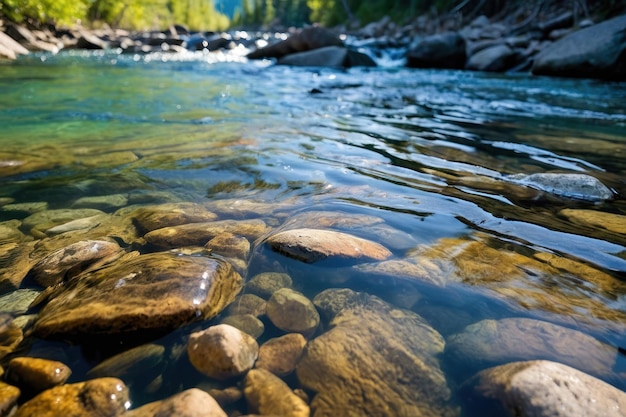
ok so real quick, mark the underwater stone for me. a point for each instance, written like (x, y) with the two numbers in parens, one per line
(267, 395)
(267, 283)
(594, 218)
(546, 389)
(229, 245)
(44, 220)
(16, 261)
(37, 374)
(280, 355)
(96, 397)
(312, 245)
(102, 202)
(171, 214)
(247, 304)
(133, 362)
(577, 186)
(247, 323)
(189, 403)
(158, 291)
(10, 335)
(8, 398)
(292, 312)
(222, 351)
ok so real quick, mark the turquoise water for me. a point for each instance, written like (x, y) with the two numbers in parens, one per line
(429, 152)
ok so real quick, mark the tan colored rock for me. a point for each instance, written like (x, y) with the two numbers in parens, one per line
(37, 374)
(73, 259)
(157, 291)
(189, 403)
(267, 395)
(280, 355)
(229, 245)
(247, 304)
(16, 261)
(267, 283)
(104, 397)
(312, 245)
(222, 351)
(101, 202)
(171, 214)
(292, 312)
(195, 234)
(10, 335)
(44, 220)
(8, 398)
(548, 389)
(375, 360)
(329, 220)
(494, 342)
(613, 222)
(132, 362)
(247, 323)
(79, 225)
(18, 302)
(226, 396)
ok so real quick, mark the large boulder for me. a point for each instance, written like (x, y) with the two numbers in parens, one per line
(375, 360)
(544, 389)
(152, 292)
(494, 58)
(329, 56)
(443, 50)
(309, 38)
(598, 51)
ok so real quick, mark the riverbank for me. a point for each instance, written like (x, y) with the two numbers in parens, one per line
(534, 38)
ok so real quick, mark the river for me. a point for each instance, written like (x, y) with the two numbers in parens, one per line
(442, 158)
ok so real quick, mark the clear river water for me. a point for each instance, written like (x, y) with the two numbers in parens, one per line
(441, 158)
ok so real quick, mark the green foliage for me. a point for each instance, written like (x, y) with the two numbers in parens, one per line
(45, 11)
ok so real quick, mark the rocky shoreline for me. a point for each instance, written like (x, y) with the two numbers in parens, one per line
(554, 42)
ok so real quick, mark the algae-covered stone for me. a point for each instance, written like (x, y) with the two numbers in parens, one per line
(280, 355)
(610, 221)
(189, 403)
(102, 202)
(229, 245)
(268, 395)
(17, 302)
(495, 342)
(246, 323)
(267, 283)
(45, 220)
(222, 351)
(16, 261)
(247, 304)
(312, 245)
(105, 397)
(10, 335)
(73, 259)
(546, 389)
(8, 398)
(171, 214)
(198, 234)
(376, 360)
(132, 362)
(10, 233)
(37, 374)
(158, 291)
(292, 312)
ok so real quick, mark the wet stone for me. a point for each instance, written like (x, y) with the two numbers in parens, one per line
(8, 398)
(495, 342)
(80, 225)
(545, 389)
(313, 245)
(103, 202)
(16, 261)
(375, 360)
(158, 291)
(613, 222)
(280, 355)
(171, 214)
(577, 186)
(230, 246)
(227, 395)
(267, 283)
(45, 220)
(198, 234)
(136, 361)
(189, 403)
(247, 304)
(29, 208)
(268, 395)
(65, 263)
(37, 374)
(10, 233)
(96, 397)
(330, 219)
(17, 302)
(292, 312)
(222, 351)
(10, 335)
(247, 323)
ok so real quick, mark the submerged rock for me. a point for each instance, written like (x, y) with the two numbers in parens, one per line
(171, 214)
(37, 374)
(10, 335)
(44, 220)
(246, 323)
(97, 397)
(102, 202)
(222, 351)
(577, 186)
(312, 245)
(292, 312)
(267, 283)
(443, 50)
(610, 221)
(329, 56)
(8, 399)
(247, 304)
(375, 360)
(189, 403)
(546, 389)
(268, 395)
(280, 355)
(494, 342)
(159, 291)
(136, 361)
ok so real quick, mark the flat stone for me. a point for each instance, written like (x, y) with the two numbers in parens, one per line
(130, 363)
(96, 397)
(267, 283)
(10, 232)
(101, 202)
(171, 214)
(495, 342)
(37, 374)
(222, 351)
(198, 234)
(17, 302)
(44, 220)
(79, 225)
(547, 389)
(10, 335)
(322, 219)
(8, 398)
(292, 312)
(230, 246)
(247, 323)
(280, 355)
(613, 222)
(189, 403)
(158, 291)
(576, 186)
(73, 259)
(375, 360)
(312, 245)
(16, 261)
(30, 208)
(247, 304)
(268, 395)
